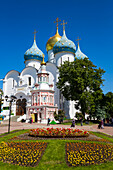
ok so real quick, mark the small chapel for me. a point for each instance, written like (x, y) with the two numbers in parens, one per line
(35, 86)
(42, 103)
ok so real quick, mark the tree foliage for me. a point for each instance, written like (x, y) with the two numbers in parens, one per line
(81, 81)
(59, 116)
(100, 112)
(79, 115)
(109, 103)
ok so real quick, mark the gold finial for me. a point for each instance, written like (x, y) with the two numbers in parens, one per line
(64, 23)
(35, 34)
(57, 20)
(43, 62)
(78, 39)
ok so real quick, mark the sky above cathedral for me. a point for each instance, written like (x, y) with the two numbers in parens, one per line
(91, 20)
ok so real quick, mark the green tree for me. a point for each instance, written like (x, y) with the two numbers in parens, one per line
(79, 115)
(109, 104)
(100, 112)
(60, 116)
(81, 81)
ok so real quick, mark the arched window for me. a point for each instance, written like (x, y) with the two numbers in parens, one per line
(29, 81)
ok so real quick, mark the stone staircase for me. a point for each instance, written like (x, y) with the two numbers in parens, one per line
(14, 118)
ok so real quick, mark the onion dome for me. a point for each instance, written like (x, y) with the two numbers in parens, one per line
(34, 53)
(79, 53)
(64, 45)
(52, 40)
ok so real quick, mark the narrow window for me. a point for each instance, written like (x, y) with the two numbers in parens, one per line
(47, 79)
(13, 82)
(51, 98)
(20, 82)
(44, 99)
(61, 60)
(36, 99)
(29, 81)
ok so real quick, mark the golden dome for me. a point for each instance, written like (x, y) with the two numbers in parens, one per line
(51, 42)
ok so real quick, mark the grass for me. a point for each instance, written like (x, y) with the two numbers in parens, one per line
(104, 136)
(54, 156)
(78, 123)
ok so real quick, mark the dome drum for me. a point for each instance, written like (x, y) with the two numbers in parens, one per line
(33, 57)
(63, 49)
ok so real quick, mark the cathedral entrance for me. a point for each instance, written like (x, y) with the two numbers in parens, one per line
(35, 117)
(21, 107)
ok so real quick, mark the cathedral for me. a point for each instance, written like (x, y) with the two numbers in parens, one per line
(35, 86)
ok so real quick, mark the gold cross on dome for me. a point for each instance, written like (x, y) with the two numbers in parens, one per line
(57, 20)
(78, 39)
(35, 34)
(64, 23)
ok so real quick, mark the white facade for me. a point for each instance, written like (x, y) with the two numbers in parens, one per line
(21, 84)
(17, 84)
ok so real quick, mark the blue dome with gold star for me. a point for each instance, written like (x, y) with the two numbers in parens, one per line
(34, 53)
(64, 45)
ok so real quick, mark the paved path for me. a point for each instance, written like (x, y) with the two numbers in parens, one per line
(19, 125)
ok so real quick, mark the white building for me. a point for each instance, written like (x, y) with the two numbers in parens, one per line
(59, 49)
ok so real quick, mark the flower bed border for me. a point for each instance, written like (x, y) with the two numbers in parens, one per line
(58, 133)
(57, 136)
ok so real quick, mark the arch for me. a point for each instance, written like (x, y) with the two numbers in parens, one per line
(12, 73)
(21, 107)
(29, 68)
(29, 72)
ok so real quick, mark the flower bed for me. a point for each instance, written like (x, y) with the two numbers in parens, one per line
(58, 132)
(22, 153)
(88, 153)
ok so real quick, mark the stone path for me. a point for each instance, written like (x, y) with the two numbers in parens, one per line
(19, 126)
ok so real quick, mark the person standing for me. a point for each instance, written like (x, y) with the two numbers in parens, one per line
(48, 121)
(81, 121)
(102, 124)
(73, 123)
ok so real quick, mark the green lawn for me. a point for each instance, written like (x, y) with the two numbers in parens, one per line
(54, 156)
(78, 123)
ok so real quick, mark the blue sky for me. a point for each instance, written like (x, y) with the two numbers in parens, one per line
(91, 20)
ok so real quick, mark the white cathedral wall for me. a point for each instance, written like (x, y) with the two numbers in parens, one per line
(10, 78)
(28, 72)
(10, 90)
(33, 63)
(62, 57)
(50, 56)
